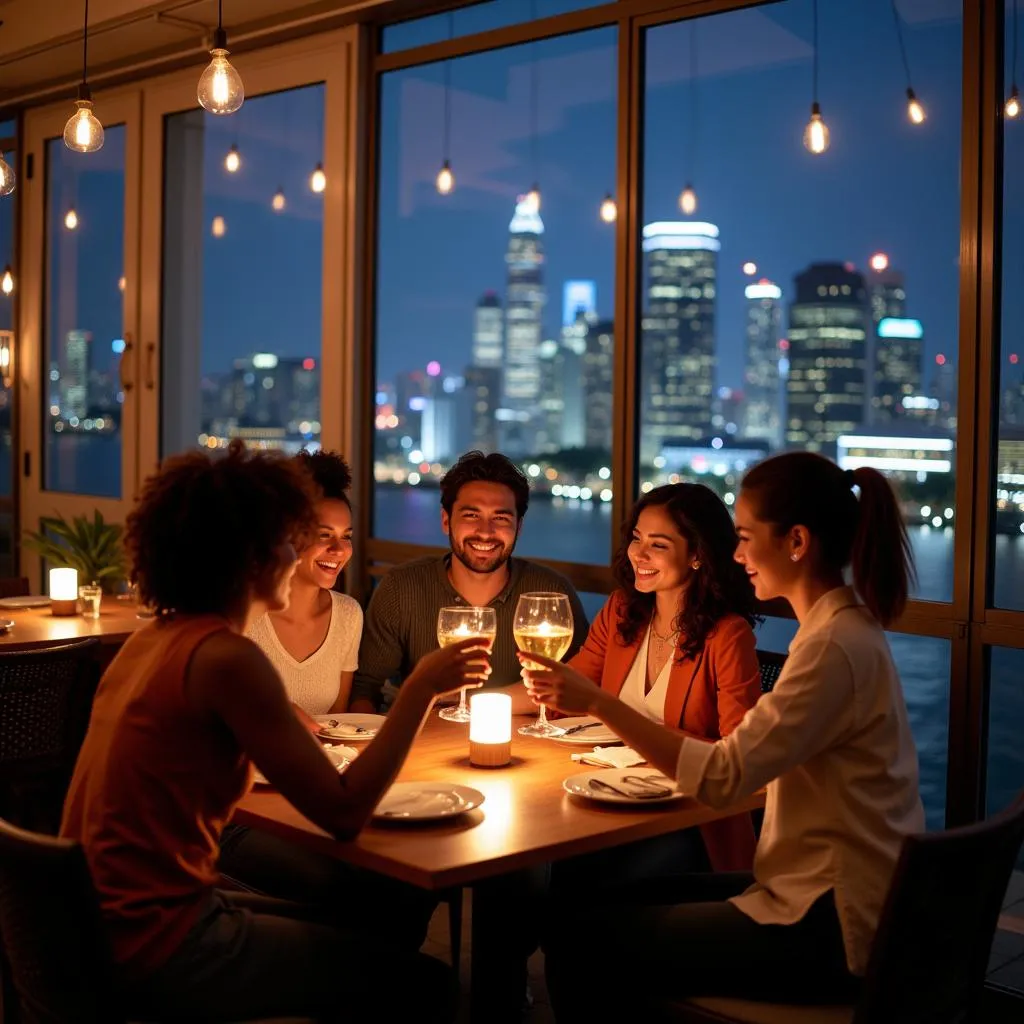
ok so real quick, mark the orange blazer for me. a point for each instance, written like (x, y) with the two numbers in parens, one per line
(708, 695)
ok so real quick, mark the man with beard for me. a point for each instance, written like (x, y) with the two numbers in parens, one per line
(483, 502)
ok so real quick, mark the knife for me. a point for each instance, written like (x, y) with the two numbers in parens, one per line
(580, 728)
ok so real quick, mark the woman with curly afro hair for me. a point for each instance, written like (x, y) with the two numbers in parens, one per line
(181, 715)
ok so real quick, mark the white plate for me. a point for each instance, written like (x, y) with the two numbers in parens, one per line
(25, 601)
(597, 733)
(340, 756)
(579, 785)
(426, 801)
(350, 727)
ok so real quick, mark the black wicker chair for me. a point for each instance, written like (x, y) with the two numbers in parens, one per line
(54, 956)
(771, 668)
(45, 700)
(931, 952)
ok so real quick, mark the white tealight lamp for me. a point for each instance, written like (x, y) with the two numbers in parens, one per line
(490, 730)
(63, 591)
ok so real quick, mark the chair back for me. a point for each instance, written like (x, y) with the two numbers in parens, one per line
(771, 664)
(45, 701)
(931, 951)
(54, 952)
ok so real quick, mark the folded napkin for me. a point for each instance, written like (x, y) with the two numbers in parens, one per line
(611, 757)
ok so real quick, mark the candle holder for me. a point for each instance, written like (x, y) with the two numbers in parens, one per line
(63, 591)
(490, 730)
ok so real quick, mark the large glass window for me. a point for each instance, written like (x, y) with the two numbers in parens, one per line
(8, 283)
(800, 300)
(494, 311)
(243, 233)
(83, 317)
(1009, 467)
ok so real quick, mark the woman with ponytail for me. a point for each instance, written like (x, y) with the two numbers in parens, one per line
(831, 743)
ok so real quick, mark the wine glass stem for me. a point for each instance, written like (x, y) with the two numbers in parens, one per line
(542, 718)
(462, 699)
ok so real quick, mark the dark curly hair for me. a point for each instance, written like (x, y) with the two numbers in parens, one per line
(493, 469)
(330, 474)
(719, 587)
(206, 527)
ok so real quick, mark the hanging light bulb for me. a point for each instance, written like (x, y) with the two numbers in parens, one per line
(278, 202)
(1012, 105)
(445, 180)
(914, 109)
(218, 227)
(318, 180)
(233, 160)
(71, 219)
(83, 133)
(7, 280)
(7, 178)
(688, 200)
(122, 283)
(220, 86)
(609, 209)
(533, 198)
(816, 133)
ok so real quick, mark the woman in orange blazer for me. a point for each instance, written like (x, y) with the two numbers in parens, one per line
(675, 641)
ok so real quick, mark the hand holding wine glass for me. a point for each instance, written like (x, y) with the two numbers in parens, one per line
(543, 625)
(460, 622)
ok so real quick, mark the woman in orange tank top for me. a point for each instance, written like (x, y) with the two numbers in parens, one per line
(180, 716)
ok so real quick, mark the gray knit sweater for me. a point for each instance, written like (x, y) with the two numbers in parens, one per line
(400, 625)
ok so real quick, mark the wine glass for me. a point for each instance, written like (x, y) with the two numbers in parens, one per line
(460, 622)
(543, 625)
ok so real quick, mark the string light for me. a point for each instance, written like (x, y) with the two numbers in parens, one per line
(71, 219)
(688, 200)
(533, 196)
(445, 179)
(1012, 107)
(7, 280)
(688, 197)
(220, 86)
(7, 177)
(609, 209)
(83, 132)
(915, 110)
(816, 134)
(318, 180)
(278, 202)
(233, 160)
(218, 227)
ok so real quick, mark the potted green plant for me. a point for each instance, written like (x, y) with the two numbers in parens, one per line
(92, 546)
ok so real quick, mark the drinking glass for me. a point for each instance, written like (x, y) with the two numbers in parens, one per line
(90, 596)
(543, 625)
(460, 622)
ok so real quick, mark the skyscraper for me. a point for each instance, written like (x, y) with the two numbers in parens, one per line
(678, 332)
(763, 386)
(74, 379)
(829, 325)
(488, 331)
(550, 421)
(524, 309)
(598, 367)
(483, 396)
(899, 351)
(578, 296)
(887, 297)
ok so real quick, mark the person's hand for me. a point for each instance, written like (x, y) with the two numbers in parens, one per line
(556, 685)
(466, 663)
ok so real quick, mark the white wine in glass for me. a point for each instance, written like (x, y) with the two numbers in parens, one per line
(460, 622)
(543, 625)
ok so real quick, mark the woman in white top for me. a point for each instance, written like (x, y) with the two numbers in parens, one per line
(314, 642)
(314, 645)
(831, 742)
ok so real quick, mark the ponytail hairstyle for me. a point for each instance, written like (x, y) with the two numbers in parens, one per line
(865, 532)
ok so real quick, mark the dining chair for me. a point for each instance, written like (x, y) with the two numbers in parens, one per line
(45, 701)
(934, 938)
(54, 956)
(771, 663)
(14, 586)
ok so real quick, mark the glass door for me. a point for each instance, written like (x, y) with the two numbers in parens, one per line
(78, 373)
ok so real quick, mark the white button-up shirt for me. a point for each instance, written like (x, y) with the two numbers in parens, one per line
(833, 745)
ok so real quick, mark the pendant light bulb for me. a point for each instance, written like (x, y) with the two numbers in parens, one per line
(318, 180)
(7, 177)
(1012, 108)
(71, 219)
(233, 160)
(609, 209)
(83, 133)
(533, 198)
(7, 281)
(445, 179)
(220, 85)
(688, 200)
(915, 111)
(278, 202)
(218, 227)
(816, 133)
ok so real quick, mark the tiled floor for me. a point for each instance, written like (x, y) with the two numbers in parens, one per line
(1006, 965)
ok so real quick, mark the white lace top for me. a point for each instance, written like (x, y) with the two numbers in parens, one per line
(313, 684)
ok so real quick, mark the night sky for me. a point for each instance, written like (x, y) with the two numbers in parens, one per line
(883, 185)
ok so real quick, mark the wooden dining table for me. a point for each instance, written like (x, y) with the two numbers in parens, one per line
(37, 627)
(526, 820)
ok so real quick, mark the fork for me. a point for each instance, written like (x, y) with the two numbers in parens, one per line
(580, 728)
(607, 787)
